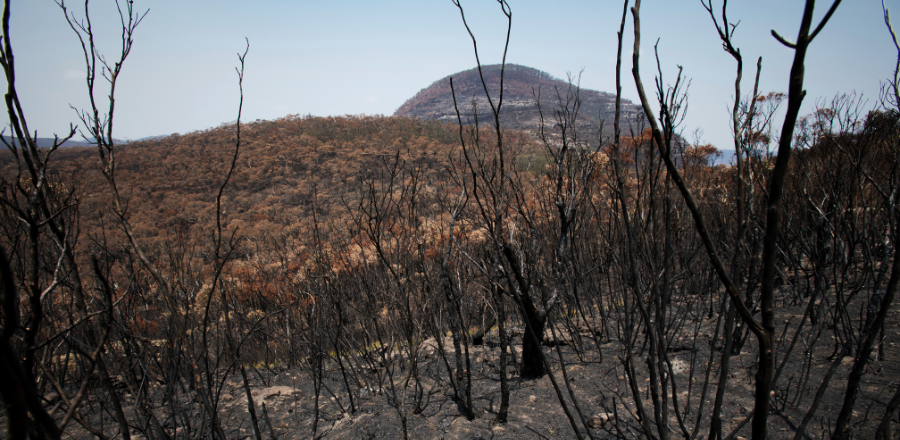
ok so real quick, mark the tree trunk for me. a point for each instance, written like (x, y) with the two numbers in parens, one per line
(532, 363)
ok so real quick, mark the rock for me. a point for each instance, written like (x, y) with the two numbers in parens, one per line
(498, 428)
(227, 397)
(373, 390)
(847, 361)
(436, 101)
(272, 392)
(598, 420)
(532, 398)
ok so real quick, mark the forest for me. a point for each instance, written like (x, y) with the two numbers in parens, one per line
(386, 277)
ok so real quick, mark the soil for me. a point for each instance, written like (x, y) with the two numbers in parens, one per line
(285, 397)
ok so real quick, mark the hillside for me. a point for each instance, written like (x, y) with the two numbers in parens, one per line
(48, 142)
(287, 170)
(520, 111)
(375, 281)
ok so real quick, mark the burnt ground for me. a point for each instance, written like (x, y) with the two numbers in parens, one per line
(285, 397)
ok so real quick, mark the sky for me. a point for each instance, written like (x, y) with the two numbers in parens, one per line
(368, 57)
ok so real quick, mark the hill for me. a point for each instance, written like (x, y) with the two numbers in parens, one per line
(369, 283)
(288, 169)
(524, 88)
(48, 142)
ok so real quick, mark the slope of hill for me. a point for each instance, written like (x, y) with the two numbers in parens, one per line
(48, 142)
(287, 169)
(524, 87)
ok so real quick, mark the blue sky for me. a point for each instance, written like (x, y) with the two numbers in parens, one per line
(368, 57)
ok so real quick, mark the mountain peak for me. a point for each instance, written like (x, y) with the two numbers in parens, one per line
(523, 88)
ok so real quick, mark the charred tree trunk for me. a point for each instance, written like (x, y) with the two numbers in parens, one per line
(532, 362)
